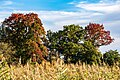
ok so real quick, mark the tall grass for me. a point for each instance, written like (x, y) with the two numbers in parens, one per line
(60, 71)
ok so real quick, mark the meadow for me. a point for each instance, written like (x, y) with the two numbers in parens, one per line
(57, 70)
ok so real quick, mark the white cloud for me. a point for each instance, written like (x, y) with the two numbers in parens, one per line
(9, 5)
(113, 46)
(102, 6)
(5, 3)
(4, 14)
(71, 2)
(56, 19)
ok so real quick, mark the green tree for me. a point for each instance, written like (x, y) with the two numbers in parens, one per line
(26, 34)
(66, 41)
(70, 42)
(111, 57)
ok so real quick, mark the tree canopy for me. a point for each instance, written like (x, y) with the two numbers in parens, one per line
(26, 35)
(72, 44)
(97, 35)
(25, 32)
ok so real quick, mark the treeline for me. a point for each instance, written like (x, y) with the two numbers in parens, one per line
(24, 39)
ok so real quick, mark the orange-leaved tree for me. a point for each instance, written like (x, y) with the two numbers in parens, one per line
(97, 35)
(26, 33)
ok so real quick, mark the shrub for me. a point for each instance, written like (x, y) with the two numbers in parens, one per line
(111, 57)
(6, 53)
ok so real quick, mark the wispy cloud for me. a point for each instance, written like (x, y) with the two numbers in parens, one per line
(100, 7)
(6, 3)
(56, 19)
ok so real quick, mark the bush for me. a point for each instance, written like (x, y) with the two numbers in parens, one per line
(7, 53)
(111, 57)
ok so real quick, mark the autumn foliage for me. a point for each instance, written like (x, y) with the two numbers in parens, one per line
(26, 33)
(97, 35)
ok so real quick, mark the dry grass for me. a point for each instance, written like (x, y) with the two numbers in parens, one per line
(60, 71)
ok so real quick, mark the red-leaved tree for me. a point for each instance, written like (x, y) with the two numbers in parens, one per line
(97, 35)
(26, 33)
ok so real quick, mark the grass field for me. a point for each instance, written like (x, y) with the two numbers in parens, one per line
(59, 71)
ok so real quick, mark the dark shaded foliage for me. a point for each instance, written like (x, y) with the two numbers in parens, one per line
(111, 57)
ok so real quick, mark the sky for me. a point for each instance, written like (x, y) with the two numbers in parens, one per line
(54, 14)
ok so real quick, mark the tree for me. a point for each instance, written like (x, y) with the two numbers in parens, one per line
(66, 41)
(111, 57)
(26, 34)
(76, 43)
(70, 42)
(97, 35)
(89, 54)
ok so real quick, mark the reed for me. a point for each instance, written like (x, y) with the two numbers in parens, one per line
(59, 71)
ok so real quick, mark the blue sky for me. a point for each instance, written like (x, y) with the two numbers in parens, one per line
(56, 13)
(42, 4)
